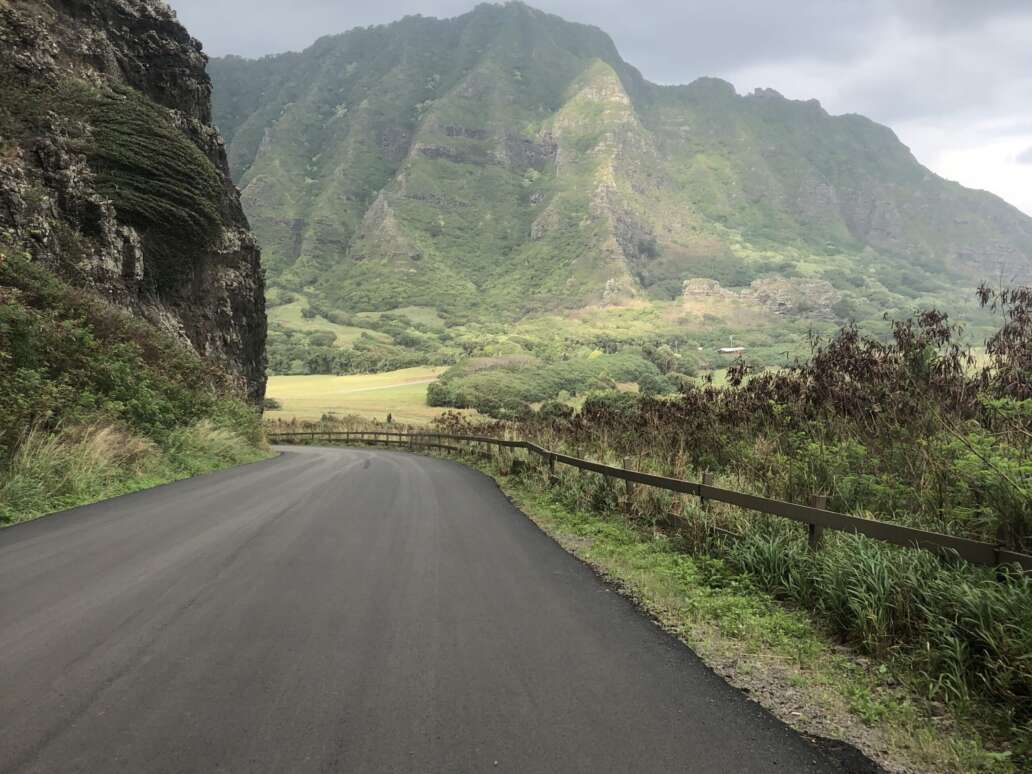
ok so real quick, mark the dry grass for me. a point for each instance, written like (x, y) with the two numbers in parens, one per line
(54, 470)
(371, 396)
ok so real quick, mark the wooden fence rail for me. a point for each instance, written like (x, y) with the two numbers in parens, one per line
(816, 518)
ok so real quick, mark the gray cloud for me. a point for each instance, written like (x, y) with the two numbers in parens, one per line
(1025, 157)
(961, 66)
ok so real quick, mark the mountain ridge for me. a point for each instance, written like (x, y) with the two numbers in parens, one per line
(507, 165)
(590, 184)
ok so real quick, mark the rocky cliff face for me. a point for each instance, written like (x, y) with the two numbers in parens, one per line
(814, 298)
(112, 175)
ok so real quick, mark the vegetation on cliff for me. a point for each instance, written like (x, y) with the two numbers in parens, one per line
(158, 181)
(97, 402)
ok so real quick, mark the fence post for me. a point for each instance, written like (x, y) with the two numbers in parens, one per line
(628, 486)
(816, 531)
(707, 480)
(553, 479)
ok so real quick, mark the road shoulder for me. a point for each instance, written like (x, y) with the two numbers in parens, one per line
(778, 657)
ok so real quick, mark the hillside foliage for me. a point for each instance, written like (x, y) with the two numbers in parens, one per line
(96, 401)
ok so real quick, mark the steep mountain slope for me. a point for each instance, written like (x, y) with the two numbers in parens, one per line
(508, 162)
(113, 178)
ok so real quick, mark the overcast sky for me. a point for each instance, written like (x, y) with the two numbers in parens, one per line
(953, 78)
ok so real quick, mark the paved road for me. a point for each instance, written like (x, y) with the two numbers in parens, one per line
(344, 610)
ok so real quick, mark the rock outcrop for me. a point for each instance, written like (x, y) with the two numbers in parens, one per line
(112, 175)
(813, 298)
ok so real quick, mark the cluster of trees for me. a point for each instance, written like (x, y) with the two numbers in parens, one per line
(316, 354)
(508, 386)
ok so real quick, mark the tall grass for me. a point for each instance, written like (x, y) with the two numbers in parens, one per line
(964, 629)
(56, 469)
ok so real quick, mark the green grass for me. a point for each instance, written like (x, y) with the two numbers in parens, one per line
(53, 471)
(421, 315)
(289, 316)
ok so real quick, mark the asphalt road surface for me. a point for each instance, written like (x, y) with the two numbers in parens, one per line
(346, 610)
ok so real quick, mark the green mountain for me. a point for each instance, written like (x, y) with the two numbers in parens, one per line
(509, 159)
(503, 185)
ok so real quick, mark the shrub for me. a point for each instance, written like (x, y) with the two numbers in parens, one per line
(95, 402)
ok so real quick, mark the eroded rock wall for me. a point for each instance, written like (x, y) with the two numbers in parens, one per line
(112, 174)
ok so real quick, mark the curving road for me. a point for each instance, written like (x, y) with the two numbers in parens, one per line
(352, 611)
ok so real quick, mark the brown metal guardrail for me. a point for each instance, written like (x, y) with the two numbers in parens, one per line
(815, 517)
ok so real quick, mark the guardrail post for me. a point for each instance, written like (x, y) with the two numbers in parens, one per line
(628, 486)
(707, 480)
(815, 531)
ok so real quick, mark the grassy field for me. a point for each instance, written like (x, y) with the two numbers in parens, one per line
(289, 316)
(371, 396)
(423, 315)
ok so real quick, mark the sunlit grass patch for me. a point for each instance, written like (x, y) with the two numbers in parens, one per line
(400, 393)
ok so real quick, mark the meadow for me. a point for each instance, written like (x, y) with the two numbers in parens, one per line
(402, 393)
